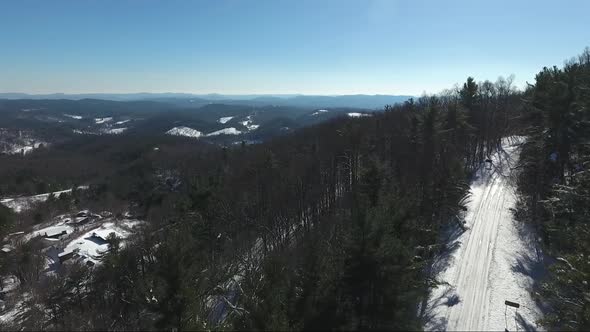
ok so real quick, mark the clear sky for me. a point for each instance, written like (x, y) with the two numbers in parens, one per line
(274, 46)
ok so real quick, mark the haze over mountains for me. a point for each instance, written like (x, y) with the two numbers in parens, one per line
(295, 100)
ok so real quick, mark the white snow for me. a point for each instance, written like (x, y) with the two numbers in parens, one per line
(25, 147)
(121, 122)
(114, 131)
(9, 283)
(103, 120)
(90, 247)
(318, 112)
(357, 114)
(488, 263)
(77, 117)
(248, 123)
(225, 131)
(84, 132)
(19, 204)
(184, 131)
(12, 314)
(53, 230)
(225, 119)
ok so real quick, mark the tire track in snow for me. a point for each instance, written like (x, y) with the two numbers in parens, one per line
(482, 272)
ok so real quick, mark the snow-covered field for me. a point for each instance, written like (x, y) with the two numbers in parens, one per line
(19, 204)
(490, 262)
(90, 247)
(318, 112)
(77, 117)
(87, 240)
(357, 114)
(103, 120)
(225, 119)
(24, 147)
(114, 131)
(184, 131)
(248, 123)
(13, 141)
(225, 131)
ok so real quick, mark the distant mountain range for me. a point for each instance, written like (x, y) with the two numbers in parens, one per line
(307, 101)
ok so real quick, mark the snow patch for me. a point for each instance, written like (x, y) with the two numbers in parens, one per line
(84, 132)
(357, 114)
(25, 148)
(318, 112)
(114, 131)
(20, 204)
(53, 230)
(225, 119)
(77, 117)
(184, 131)
(92, 244)
(103, 120)
(225, 131)
(248, 123)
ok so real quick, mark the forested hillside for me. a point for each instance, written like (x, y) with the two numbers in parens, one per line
(555, 186)
(333, 226)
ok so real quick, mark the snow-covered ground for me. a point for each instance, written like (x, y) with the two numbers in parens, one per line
(87, 240)
(14, 141)
(114, 131)
(225, 131)
(84, 132)
(77, 117)
(90, 245)
(23, 148)
(184, 131)
(357, 114)
(490, 262)
(225, 119)
(19, 204)
(56, 229)
(248, 123)
(11, 315)
(318, 112)
(103, 120)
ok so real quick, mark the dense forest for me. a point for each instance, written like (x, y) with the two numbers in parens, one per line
(333, 226)
(554, 186)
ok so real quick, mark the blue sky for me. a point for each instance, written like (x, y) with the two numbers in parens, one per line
(299, 46)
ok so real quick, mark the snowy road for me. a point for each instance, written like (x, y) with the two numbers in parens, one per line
(488, 263)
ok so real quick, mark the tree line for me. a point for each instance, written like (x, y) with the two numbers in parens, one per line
(333, 226)
(554, 187)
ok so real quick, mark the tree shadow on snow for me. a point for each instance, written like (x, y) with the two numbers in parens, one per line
(443, 260)
(524, 324)
(532, 266)
(429, 318)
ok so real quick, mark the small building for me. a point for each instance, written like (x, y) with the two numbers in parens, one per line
(55, 234)
(66, 255)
